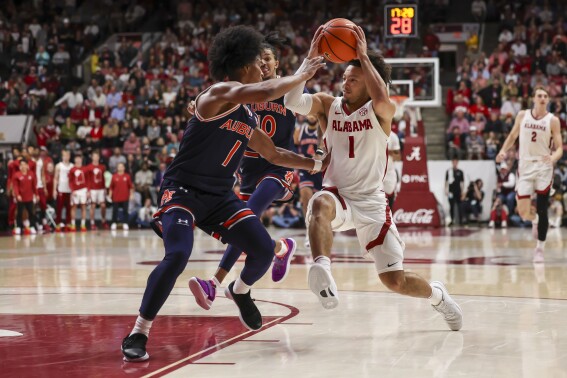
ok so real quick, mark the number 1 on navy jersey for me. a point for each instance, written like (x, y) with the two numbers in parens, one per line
(231, 153)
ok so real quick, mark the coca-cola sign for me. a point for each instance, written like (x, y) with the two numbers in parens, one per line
(420, 216)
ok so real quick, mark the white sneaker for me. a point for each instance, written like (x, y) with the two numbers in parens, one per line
(538, 255)
(323, 285)
(113, 227)
(491, 224)
(17, 231)
(33, 231)
(125, 227)
(504, 224)
(448, 308)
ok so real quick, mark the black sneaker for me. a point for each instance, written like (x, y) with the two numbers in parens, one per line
(249, 314)
(134, 348)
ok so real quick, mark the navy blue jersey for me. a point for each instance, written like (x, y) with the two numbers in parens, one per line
(308, 141)
(278, 123)
(211, 150)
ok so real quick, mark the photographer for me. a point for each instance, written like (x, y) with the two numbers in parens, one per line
(498, 214)
(472, 203)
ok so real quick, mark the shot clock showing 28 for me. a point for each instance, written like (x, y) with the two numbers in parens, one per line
(400, 21)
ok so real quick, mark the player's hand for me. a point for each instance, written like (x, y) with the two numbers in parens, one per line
(312, 66)
(314, 48)
(191, 107)
(19, 198)
(500, 157)
(547, 159)
(326, 162)
(361, 46)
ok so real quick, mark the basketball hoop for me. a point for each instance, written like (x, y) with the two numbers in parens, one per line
(400, 105)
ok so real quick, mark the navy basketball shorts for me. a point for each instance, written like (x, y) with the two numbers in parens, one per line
(212, 213)
(307, 180)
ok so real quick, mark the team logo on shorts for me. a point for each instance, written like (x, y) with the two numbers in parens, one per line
(166, 197)
(363, 112)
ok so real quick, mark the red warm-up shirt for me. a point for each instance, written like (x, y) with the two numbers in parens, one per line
(25, 185)
(95, 176)
(120, 185)
(77, 178)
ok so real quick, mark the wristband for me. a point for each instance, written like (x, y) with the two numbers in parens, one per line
(317, 166)
(320, 152)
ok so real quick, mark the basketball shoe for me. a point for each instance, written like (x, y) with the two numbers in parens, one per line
(203, 291)
(249, 314)
(538, 255)
(323, 285)
(134, 347)
(448, 308)
(280, 269)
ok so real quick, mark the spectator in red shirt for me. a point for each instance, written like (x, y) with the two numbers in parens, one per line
(97, 189)
(120, 191)
(79, 193)
(479, 107)
(25, 192)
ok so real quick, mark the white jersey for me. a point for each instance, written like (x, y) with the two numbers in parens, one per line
(38, 171)
(535, 137)
(359, 150)
(63, 183)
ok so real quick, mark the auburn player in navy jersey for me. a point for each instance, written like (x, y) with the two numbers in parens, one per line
(261, 181)
(197, 186)
(307, 139)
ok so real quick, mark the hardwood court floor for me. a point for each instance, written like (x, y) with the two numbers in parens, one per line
(67, 300)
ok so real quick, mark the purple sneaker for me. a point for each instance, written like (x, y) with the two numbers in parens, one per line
(281, 263)
(204, 291)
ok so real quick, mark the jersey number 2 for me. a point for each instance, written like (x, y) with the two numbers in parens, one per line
(534, 136)
(231, 153)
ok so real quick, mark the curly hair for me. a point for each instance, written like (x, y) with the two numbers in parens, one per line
(377, 60)
(232, 49)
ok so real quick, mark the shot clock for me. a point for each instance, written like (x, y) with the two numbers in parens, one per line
(400, 21)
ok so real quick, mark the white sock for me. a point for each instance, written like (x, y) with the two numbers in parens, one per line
(540, 244)
(215, 281)
(240, 287)
(283, 249)
(142, 326)
(82, 223)
(323, 260)
(436, 296)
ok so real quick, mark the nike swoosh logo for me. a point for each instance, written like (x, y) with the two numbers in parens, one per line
(390, 265)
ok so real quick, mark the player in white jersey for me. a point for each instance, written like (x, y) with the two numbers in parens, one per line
(391, 178)
(538, 130)
(356, 129)
(62, 190)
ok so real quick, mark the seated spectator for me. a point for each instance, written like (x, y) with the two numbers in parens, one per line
(492, 146)
(511, 107)
(519, 47)
(143, 181)
(173, 144)
(131, 144)
(479, 122)
(479, 108)
(154, 131)
(119, 112)
(287, 216)
(472, 203)
(478, 10)
(110, 133)
(68, 131)
(99, 98)
(505, 187)
(61, 59)
(96, 132)
(84, 130)
(510, 90)
(145, 214)
(498, 214)
(475, 145)
(455, 144)
(460, 104)
(113, 97)
(42, 57)
(492, 95)
(459, 121)
(72, 98)
(115, 159)
(505, 36)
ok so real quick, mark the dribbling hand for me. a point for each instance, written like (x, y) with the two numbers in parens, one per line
(500, 157)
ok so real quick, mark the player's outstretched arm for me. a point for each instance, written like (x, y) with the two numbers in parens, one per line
(377, 88)
(223, 95)
(264, 145)
(557, 140)
(511, 139)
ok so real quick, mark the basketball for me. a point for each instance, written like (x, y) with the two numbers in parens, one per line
(338, 43)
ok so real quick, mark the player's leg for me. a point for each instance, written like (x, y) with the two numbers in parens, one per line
(305, 194)
(266, 192)
(94, 201)
(70, 220)
(178, 242)
(102, 203)
(251, 236)
(326, 212)
(19, 218)
(73, 213)
(84, 215)
(59, 212)
(388, 259)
